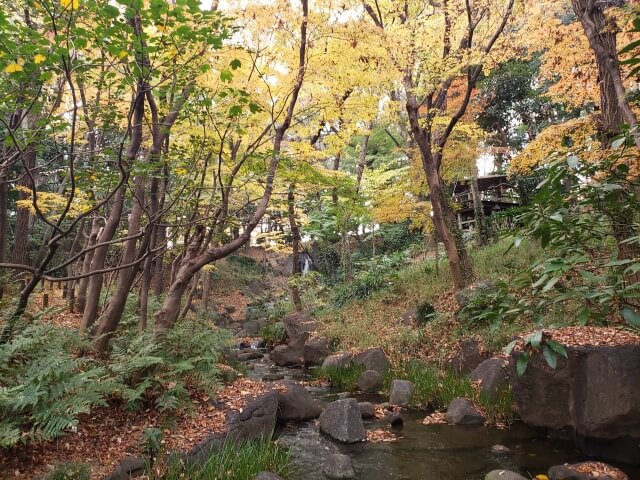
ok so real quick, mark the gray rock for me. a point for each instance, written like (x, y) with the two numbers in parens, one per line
(256, 420)
(296, 404)
(315, 350)
(246, 356)
(493, 375)
(367, 409)
(272, 377)
(267, 476)
(338, 467)
(401, 392)
(286, 356)
(462, 411)
(503, 475)
(593, 394)
(340, 360)
(369, 381)
(373, 359)
(586, 471)
(298, 326)
(127, 468)
(342, 421)
(468, 357)
(500, 450)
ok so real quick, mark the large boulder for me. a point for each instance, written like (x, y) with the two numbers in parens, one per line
(503, 475)
(256, 420)
(467, 357)
(286, 356)
(369, 381)
(299, 326)
(592, 395)
(296, 404)
(492, 375)
(342, 421)
(339, 360)
(129, 467)
(373, 359)
(462, 411)
(586, 471)
(401, 392)
(338, 467)
(315, 350)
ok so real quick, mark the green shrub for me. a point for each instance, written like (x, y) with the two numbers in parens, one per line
(436, 388)
(45, 386)
(46, 383)
(236, 462)
(273, 333)
(343, 378)
(425, 312)
(491, 306)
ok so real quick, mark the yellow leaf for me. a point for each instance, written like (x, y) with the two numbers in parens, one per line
(541, 477)
(72, 4)
(39, 58)
(13, 67)
(122, 54)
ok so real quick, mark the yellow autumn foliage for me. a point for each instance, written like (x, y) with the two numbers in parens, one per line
(52, 204)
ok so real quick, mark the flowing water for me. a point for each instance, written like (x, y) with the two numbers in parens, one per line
(421, 452)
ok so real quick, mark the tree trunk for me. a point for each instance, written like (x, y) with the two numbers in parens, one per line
(362, 162)
(601, 32)
(94, 288)
(111, 317)
(81, 297)
(295, 233)
(19, 253)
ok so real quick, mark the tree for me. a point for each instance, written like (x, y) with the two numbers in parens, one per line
(465, 33)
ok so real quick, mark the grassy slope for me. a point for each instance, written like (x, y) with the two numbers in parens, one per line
(375, 321)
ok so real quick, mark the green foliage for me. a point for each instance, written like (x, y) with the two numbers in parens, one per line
(425, 312)
(343, 378)
(373, 275)
(533, 344)
(46, 386)
(436, 388)
(586, 218)
(491, 306)
(47, 383)
(273, 333)
(236, 462)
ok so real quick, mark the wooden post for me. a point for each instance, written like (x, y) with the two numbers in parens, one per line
(45, 300)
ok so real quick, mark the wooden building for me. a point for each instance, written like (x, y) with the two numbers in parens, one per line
(495, 193)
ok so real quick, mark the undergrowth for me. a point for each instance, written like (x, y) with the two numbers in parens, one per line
(436, 388)
(343, 378)
(235, 462)
(48, 379)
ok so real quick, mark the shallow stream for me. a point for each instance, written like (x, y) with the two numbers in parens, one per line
(421, 452)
